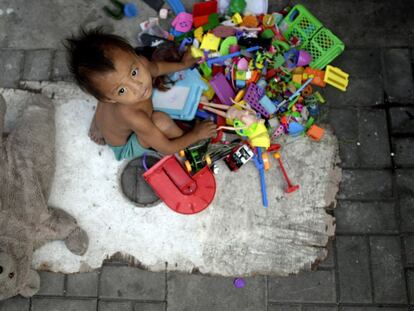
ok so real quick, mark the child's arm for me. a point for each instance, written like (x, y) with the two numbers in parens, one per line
(152, 135)
(163, 68)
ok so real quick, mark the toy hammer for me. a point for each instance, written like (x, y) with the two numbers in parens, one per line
(290, 188)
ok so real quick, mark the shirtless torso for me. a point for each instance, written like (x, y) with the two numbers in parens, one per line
(128, 107)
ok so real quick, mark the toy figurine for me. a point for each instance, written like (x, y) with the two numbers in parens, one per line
(244, 121)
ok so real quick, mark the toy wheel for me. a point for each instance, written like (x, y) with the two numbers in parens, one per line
(307, 91)
(181, 153)
(188, 166)
(208, 160)
(266, 163)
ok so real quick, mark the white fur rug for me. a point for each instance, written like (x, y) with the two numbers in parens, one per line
(234, 236)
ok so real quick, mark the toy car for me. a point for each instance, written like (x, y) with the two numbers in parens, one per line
(239, 156)
(196, 157)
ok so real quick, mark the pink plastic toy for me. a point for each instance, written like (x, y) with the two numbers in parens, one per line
(243, 64)
(183, 22)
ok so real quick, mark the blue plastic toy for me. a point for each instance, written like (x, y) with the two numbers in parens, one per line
(176, 6)
(279, 105)
(220, 59)
(130, 10)
(181, 101)
(258, 162)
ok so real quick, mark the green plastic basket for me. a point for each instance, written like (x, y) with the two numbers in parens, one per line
(319, 41)
(300, 23)
(324, 47)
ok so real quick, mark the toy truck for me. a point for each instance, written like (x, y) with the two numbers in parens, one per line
(239, 156)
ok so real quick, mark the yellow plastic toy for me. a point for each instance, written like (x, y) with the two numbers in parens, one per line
(210, 42)
(336, 77)
(196, 53)
(209, 93)
(237, 19)
(297, 78)
(198, 34)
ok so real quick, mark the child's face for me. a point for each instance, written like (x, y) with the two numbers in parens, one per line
(129, 83)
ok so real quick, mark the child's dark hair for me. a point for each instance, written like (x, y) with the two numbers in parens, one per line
(86, 56)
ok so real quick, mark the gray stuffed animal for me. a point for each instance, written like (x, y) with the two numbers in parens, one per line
(27, 163)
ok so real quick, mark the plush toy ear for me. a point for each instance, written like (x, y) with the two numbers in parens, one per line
(32, 285)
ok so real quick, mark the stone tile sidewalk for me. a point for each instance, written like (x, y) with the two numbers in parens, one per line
(371, 262)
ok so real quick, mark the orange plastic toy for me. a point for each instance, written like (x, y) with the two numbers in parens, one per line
(315, 133)
(318, 76)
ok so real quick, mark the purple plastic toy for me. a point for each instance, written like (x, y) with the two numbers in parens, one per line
(239, 283)
(304, 58)
(222, 88)
(253, 96)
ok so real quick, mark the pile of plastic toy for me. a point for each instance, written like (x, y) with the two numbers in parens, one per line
(262, 74)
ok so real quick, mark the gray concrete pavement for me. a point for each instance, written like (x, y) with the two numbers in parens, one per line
(371, 266)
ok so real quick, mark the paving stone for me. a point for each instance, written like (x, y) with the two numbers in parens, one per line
(360, 92)
(37, 65)
(131, 283)
(344, 123)
(353, 267)
(387, 270)
(11, 64)
(283, 307)
(365, 184)
(404, 151)
(51, 284)
(361, 24)
(202, 293)
(365, 217)
(409, 249)
(381, 308)
(407, 213)
(405, 181)
(349, 154)
(410, 280)
(149, 306)
(63, 304)
(114, 306)
(402, 120)
(329, 261)
(83, 284)
(60, 70)
(374, 149)
(360, 63)
(398, 75)
(319, 308)
(15, 304)
(314, 287)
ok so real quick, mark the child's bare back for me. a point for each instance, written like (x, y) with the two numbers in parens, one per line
(114, 123)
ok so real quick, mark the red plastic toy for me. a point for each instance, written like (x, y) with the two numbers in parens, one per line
(291, 187)
(202, 10)
(181, 192)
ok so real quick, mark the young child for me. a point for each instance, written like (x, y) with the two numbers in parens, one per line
(107, 67)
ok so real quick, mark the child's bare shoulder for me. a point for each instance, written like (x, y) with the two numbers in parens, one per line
(136, 119)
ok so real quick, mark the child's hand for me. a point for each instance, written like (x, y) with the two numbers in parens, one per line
(188, 60)
(205, 129)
